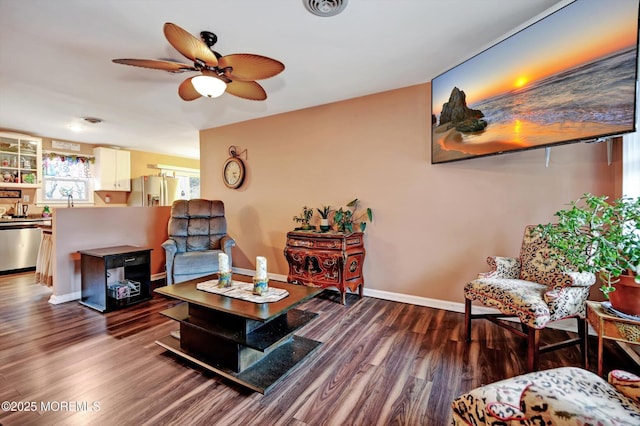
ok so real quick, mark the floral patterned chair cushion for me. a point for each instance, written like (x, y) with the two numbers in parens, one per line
(534, 287)
(565, 396)
(626, 383)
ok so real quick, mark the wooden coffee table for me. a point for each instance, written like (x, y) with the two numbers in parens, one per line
(249, 343)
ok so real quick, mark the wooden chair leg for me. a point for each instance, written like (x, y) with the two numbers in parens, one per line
(533, 349)
(583, 335)
(467, 320)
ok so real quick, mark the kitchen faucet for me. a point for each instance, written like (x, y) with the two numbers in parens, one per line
(70, 200)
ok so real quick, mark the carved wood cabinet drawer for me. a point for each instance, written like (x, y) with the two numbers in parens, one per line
(330, 259)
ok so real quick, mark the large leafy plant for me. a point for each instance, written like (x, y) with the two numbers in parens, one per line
(599, 236)
(348, 217)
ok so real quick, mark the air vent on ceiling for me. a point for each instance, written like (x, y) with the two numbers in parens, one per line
(325, 7)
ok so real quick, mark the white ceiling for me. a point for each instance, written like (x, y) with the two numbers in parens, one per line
(55, 59)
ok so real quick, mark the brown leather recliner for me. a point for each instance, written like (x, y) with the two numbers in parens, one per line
(197, 233)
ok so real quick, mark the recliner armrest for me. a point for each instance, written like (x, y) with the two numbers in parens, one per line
(227, 242)
(170, 247)
(502, 267)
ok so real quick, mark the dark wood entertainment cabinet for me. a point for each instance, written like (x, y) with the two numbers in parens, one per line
(97, 266)
(326, 259)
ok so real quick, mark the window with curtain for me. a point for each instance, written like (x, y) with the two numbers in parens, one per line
(189, 180)
(189, 186)
(631, 165)
(631, 157)
(66, 175)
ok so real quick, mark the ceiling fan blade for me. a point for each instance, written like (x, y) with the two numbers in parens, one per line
(156, 65)
(190, 46)
(247, 90)
(187, 92)
(248, 67)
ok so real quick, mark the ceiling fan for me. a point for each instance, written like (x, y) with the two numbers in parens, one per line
(234, 74)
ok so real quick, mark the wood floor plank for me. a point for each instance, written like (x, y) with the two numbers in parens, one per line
(380, 363)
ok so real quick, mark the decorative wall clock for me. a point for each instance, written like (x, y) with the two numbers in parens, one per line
(233, 172)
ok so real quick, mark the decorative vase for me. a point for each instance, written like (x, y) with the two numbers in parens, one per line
(224, 280)
(324, 225)
(626, 297)
(260, 286)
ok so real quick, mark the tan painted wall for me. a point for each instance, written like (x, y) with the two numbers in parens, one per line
(434, 224)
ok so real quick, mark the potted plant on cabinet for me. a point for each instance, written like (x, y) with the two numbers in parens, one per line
(304, 218)
(346, 218)
(602, 237)
(324, 218)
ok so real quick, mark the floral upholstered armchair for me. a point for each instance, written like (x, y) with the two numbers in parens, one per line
(535, 289)
(567, 396)
(197, 233)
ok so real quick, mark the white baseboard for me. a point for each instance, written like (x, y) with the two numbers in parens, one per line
(565, 325)
(160, 276)
(63, 298)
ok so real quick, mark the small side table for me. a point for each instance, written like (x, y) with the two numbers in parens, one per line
(104, 266)
(610, 327)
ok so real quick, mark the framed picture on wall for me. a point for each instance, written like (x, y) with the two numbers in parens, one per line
(10, 193)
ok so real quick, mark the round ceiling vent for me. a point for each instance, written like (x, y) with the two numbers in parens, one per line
(325, 7)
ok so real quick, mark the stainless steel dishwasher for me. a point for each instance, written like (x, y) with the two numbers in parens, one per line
(19, 244)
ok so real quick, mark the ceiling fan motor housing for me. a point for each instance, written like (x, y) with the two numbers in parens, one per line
(209, 38)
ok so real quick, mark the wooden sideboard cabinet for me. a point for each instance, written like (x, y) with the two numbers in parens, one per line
(328, 259)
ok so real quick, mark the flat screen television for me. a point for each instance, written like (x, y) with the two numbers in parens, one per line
(568, 77)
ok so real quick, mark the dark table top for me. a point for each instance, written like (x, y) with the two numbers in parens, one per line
(110, 251)
(188, 292)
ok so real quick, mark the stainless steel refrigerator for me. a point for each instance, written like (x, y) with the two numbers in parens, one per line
(154, 191)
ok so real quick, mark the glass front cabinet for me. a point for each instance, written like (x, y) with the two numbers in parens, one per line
(20, 160)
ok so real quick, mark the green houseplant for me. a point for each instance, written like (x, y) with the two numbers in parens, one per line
(601, 237)
(324, 218)
(304, 217)
(346, 218)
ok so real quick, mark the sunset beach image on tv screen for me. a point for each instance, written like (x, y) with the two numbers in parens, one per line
(569, 77)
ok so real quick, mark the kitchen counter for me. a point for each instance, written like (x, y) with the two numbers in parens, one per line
(21, 221)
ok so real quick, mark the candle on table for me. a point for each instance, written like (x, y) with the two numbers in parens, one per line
(261, 267)
(223, 262)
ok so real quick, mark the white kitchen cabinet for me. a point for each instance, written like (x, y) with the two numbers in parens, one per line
(112, 170)
(20, 161)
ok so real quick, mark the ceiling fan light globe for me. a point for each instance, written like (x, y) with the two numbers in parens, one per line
(210, 87)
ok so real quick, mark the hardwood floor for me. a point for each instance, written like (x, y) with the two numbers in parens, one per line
(381, 362)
